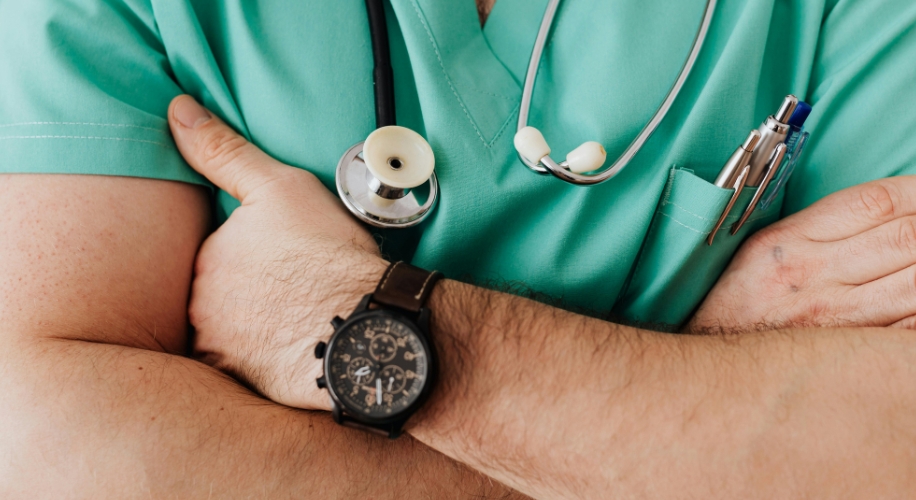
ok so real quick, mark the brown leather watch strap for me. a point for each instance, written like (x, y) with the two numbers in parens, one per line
(405, 286)
(389, 431)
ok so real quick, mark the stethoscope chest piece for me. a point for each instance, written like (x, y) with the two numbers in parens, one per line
(378, 179)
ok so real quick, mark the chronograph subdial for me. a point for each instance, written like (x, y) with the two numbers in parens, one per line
(361, 371)
(383, 348)
(393, 379)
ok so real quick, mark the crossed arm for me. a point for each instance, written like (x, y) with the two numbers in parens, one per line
(98, 403)
(554, 404)
(561, 406)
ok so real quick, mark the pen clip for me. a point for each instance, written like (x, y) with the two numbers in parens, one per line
(779, 154)
(738, 187)
(785, 172)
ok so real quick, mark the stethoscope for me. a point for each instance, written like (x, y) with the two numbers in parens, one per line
(378, 179)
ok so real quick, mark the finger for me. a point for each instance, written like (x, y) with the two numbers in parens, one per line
(887, 300)
(874, 254)
(218, 152)
(856, 209)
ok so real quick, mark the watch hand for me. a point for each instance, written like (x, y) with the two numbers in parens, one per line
(390, 381)
(378, 391)
(362, 372)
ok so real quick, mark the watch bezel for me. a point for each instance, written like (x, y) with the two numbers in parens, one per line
(431, 378)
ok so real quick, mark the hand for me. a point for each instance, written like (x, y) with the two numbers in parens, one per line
(848, 260)
(270, 279)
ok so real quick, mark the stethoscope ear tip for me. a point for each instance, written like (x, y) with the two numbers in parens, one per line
(531, 145)
(588, 157)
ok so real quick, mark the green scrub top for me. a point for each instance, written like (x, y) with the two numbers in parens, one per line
(85, 86)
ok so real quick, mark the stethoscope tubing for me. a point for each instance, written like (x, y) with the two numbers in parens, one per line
(645, 134)
(365, 194)
(382, 73)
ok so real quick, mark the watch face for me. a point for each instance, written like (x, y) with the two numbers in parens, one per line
(377, 366)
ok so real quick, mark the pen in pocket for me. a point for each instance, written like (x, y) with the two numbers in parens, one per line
(739, 159)
(765, 160)
(772, 166)
(773, 132)
(795, 142)
(796, 123)
(734, 176)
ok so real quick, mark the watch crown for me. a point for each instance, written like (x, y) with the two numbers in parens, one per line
(322, 382)
(319, 350)
(337, 322)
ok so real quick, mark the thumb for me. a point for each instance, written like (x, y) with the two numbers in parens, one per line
(218, 152)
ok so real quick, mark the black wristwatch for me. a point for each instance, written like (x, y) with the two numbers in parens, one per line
(380, 365)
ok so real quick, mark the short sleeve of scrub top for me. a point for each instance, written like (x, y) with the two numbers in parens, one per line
(85, 86)
(84, 89)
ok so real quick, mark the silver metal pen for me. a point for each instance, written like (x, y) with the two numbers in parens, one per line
(739, 159)
(773, 132)
(734, 176)
(772, 165)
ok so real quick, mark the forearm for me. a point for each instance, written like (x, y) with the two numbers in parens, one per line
(103, 421)
(559, 405)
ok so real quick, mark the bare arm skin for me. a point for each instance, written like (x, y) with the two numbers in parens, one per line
(554, 404)
(562, 406)
(97, 403)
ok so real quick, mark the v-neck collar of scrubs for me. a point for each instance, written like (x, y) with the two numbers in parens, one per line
(511, 30)
(455, 66)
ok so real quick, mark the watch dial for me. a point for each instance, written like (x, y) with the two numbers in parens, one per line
(378, 367)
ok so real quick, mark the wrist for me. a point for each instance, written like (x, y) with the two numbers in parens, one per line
(348, 281)
(457, 325)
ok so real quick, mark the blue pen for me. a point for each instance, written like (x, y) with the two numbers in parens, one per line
(797, 122)
(795, 142)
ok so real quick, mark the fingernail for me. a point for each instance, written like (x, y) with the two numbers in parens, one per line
(190, 114)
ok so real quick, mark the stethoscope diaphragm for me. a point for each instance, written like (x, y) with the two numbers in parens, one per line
(388, 180)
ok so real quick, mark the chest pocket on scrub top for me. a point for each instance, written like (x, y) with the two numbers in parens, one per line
(676, 268)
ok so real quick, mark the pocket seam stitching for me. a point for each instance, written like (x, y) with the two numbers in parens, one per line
(691, 213)
(663, 214)
(730, 218)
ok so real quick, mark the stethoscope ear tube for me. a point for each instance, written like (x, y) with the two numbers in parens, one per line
(531, 77)
(547, 165)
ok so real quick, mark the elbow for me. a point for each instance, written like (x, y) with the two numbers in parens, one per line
(35, 451)
(50, 423)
